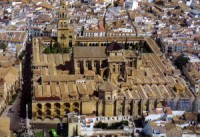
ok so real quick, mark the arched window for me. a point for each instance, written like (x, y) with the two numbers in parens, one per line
(39, 112)
(87, 64)
(67, 105)
(57, 105)
(63, 15)
(57, 112)
(39, 106)
(48, 106)
(76, 110)
(48, 112)
(114, 69)
(67, 111)
(76, 104)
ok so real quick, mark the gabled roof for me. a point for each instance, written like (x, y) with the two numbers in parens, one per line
(8, 74)
(108, 87)
(115, 46)
(89, 73)
(88, 52)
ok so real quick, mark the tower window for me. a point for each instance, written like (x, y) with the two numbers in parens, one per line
(95, 64)
(87, 64)
(65, 24)
(78, 64)
(61, 24)
(113, 68)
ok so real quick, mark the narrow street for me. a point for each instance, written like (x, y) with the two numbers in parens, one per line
(26, 97)
(129, 17)
(16, 122)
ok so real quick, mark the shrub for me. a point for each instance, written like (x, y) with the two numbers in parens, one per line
(56, 49)
(181, 62)
(101, 125)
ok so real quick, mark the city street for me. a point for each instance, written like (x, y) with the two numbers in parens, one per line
(26, 97)
(15, 120)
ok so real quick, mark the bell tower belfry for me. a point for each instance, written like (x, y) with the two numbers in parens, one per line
(62, 2)
(63, 26)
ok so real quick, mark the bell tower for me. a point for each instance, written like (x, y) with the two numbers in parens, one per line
(63, 26)
(62, 2)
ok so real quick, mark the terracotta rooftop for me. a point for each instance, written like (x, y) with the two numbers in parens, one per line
(108, 87)
(63, 91)
(190, 116)
(88, 52)
(115, 46)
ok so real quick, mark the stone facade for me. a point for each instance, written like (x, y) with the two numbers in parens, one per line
(105, 81)
(104, 76)
(9, 85)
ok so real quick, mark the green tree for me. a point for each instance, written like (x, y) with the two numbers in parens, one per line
(181, 62)
(3, 46)
(101, 125)
(56, 44)
(22, 54)
(118, 125)
(66, 50)
(59, 50)
(54, 50)
(47, 50)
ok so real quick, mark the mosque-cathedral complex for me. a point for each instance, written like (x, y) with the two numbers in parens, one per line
(104, 76)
